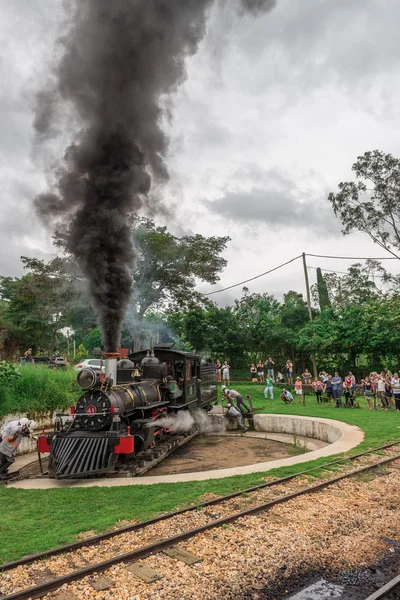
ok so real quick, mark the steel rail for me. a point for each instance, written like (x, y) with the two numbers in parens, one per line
(91, 541)
(42, 589)
(385, 589)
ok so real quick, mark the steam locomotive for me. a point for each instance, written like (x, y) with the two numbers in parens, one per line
(119, 412)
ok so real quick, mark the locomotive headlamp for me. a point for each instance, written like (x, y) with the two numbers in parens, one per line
(87, 379)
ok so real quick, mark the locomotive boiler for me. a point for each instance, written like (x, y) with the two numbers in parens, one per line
(126, 410)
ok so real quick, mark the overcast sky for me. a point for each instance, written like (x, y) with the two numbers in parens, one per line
(273, 113)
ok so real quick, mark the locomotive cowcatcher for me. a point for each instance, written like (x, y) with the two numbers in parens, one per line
(119, 412)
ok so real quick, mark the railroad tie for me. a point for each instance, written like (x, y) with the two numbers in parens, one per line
(144, 572)
(43, 576)
(64, 596)
(101, 583)
(183, 555)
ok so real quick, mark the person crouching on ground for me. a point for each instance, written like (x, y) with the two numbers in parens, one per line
(234, 413)
(286, 396)
(232, 395)
(11, 441)
(269, 390)
(318, 386)
(298, 386)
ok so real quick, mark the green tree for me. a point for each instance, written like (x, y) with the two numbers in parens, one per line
(81, 353)
(167, 269)
(372, 203)
(92, 339)
(259, 321)
(37, 303)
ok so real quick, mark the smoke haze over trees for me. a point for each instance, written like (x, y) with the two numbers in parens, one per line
(360, 329)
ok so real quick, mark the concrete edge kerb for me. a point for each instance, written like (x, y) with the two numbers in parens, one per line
(342, 438)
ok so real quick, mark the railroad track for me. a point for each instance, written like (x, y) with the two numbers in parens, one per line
(147, 538)
(146, 460)
(389, 591)
(137, 466)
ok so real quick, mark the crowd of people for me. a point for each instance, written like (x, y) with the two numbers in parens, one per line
(379, 389)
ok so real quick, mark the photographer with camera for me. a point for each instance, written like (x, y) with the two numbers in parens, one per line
(13, 435)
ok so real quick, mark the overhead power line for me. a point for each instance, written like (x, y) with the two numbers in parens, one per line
(341, 272)
(354, 257)
(256, 277)
(229, 287)
(327, 270)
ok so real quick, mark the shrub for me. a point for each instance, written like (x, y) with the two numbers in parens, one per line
(39, 391)
(9, 373)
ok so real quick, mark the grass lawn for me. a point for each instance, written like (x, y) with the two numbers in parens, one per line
(36, 520)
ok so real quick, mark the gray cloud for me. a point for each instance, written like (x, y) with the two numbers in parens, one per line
(273, 113)
(278, 201)
(305, 45)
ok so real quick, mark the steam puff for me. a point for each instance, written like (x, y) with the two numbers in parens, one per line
(120, 57)
(185, 420)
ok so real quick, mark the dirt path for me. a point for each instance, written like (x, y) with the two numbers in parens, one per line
(221, 452)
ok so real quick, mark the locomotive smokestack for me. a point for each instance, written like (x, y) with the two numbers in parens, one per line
(120, 59)
(111, 365)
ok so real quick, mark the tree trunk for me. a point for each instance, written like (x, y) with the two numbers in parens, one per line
(314, 365)
(53, 342)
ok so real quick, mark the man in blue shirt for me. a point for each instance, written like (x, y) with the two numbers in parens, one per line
(337, 389)
(286, 396)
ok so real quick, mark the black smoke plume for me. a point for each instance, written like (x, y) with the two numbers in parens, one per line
(257, 6)
(119, 59)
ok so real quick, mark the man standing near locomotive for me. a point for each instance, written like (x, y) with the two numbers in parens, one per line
(12, 439)
(232, 395)
(236, 414)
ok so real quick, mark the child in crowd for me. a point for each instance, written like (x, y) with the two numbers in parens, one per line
(348, 390)
(298, 386)
(318, 386)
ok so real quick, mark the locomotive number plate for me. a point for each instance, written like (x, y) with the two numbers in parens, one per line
(91, 410)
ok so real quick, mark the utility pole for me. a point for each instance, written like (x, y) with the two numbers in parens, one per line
(309, 308)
